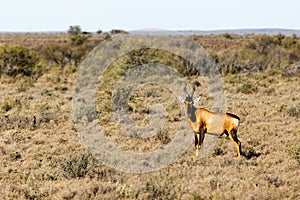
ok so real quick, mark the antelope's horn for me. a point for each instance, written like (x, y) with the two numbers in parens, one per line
(184, 90)
(193, 90)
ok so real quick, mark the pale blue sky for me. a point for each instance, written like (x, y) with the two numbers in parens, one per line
(58, 15)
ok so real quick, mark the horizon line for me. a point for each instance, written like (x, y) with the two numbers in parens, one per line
(151, 30)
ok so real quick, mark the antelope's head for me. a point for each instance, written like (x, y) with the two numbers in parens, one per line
(188, 101)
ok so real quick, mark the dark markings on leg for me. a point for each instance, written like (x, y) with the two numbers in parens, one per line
(202, 134)
(201, 139)
(196, 139)
(225, 132)
(233, 134)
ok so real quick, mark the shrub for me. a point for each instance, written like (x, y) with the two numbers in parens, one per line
(227, 36)
(6, 106)
(61, 55)
(196, 197)
(117, 31)
(78, 53)
(294, 151)
(16, 60)
(56, 54)
(293, 55)
(71, 53)
(273, 72)
(10, 103)
(99, 31)
(15, 155)
(294, 111)
(107, 36)
(163, 136)
(74, 30)
(289, 42)
(75, 166)
(247, 88)
(78, 40)
(265, 42)
(253, 57)
(39, 70)
(275, 51)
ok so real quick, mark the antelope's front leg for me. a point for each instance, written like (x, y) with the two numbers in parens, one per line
(201, 139)
(197, 139)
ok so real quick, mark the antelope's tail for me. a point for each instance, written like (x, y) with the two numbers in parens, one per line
(237, 119)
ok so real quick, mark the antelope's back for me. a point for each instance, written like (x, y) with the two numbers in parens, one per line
(235, 120)
(215, 123)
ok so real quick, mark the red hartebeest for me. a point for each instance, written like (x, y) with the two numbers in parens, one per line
(203, 121)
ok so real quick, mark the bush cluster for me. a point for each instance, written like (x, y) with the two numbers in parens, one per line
(258, 54)
(72, 52)
(28, 61)
(232, 54)
(16, 60)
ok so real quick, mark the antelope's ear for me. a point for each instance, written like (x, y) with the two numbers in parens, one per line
(181, 100)
(197, 100)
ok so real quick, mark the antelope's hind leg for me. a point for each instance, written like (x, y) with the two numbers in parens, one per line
(233, 137)
(225, 132)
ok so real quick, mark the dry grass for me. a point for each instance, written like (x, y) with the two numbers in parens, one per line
(42, 157)
(32, 40)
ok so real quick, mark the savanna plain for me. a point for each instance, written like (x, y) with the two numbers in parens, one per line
(43, 157)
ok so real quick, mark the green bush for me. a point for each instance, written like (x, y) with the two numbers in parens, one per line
(16, 60)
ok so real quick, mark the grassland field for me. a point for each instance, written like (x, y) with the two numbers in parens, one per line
(42, 156)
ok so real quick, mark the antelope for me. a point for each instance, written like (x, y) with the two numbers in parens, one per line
(203, 121)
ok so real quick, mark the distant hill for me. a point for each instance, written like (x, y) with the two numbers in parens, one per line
(286, 32)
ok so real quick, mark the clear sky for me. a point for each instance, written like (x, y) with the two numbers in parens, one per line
(91, 15)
